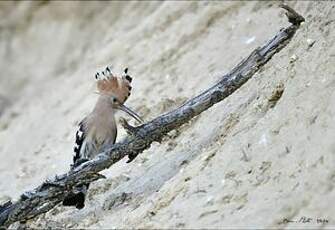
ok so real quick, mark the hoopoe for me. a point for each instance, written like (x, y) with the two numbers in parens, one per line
(99, 129)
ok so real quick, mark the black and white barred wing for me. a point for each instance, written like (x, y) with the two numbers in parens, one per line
(79, 157)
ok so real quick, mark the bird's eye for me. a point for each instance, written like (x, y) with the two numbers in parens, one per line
(114, 100)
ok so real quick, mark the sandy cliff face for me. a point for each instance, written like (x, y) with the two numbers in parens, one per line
(264, 154)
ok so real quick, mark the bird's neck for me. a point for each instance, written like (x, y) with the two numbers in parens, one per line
(101, 122)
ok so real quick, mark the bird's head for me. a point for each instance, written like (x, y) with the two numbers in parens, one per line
(116, 89)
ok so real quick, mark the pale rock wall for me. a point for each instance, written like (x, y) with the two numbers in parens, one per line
(264, 154)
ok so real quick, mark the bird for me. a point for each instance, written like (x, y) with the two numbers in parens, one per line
(98, 129)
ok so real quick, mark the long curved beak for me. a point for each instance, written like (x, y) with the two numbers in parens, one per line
(131, 113)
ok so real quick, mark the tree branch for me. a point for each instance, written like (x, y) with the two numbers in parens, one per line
(50, 193)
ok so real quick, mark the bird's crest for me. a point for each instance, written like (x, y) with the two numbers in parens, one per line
(110, 84)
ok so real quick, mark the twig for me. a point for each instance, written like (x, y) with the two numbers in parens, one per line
(51, 193)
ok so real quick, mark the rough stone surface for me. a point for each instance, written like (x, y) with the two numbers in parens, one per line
(265, 154)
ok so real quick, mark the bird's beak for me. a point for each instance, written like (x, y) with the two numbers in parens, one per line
(131, 113)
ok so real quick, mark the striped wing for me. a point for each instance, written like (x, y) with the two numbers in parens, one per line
(80, 138)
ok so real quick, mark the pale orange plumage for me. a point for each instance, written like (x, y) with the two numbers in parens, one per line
(112, 85)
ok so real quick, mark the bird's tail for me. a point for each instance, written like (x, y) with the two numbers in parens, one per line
(77, 197)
